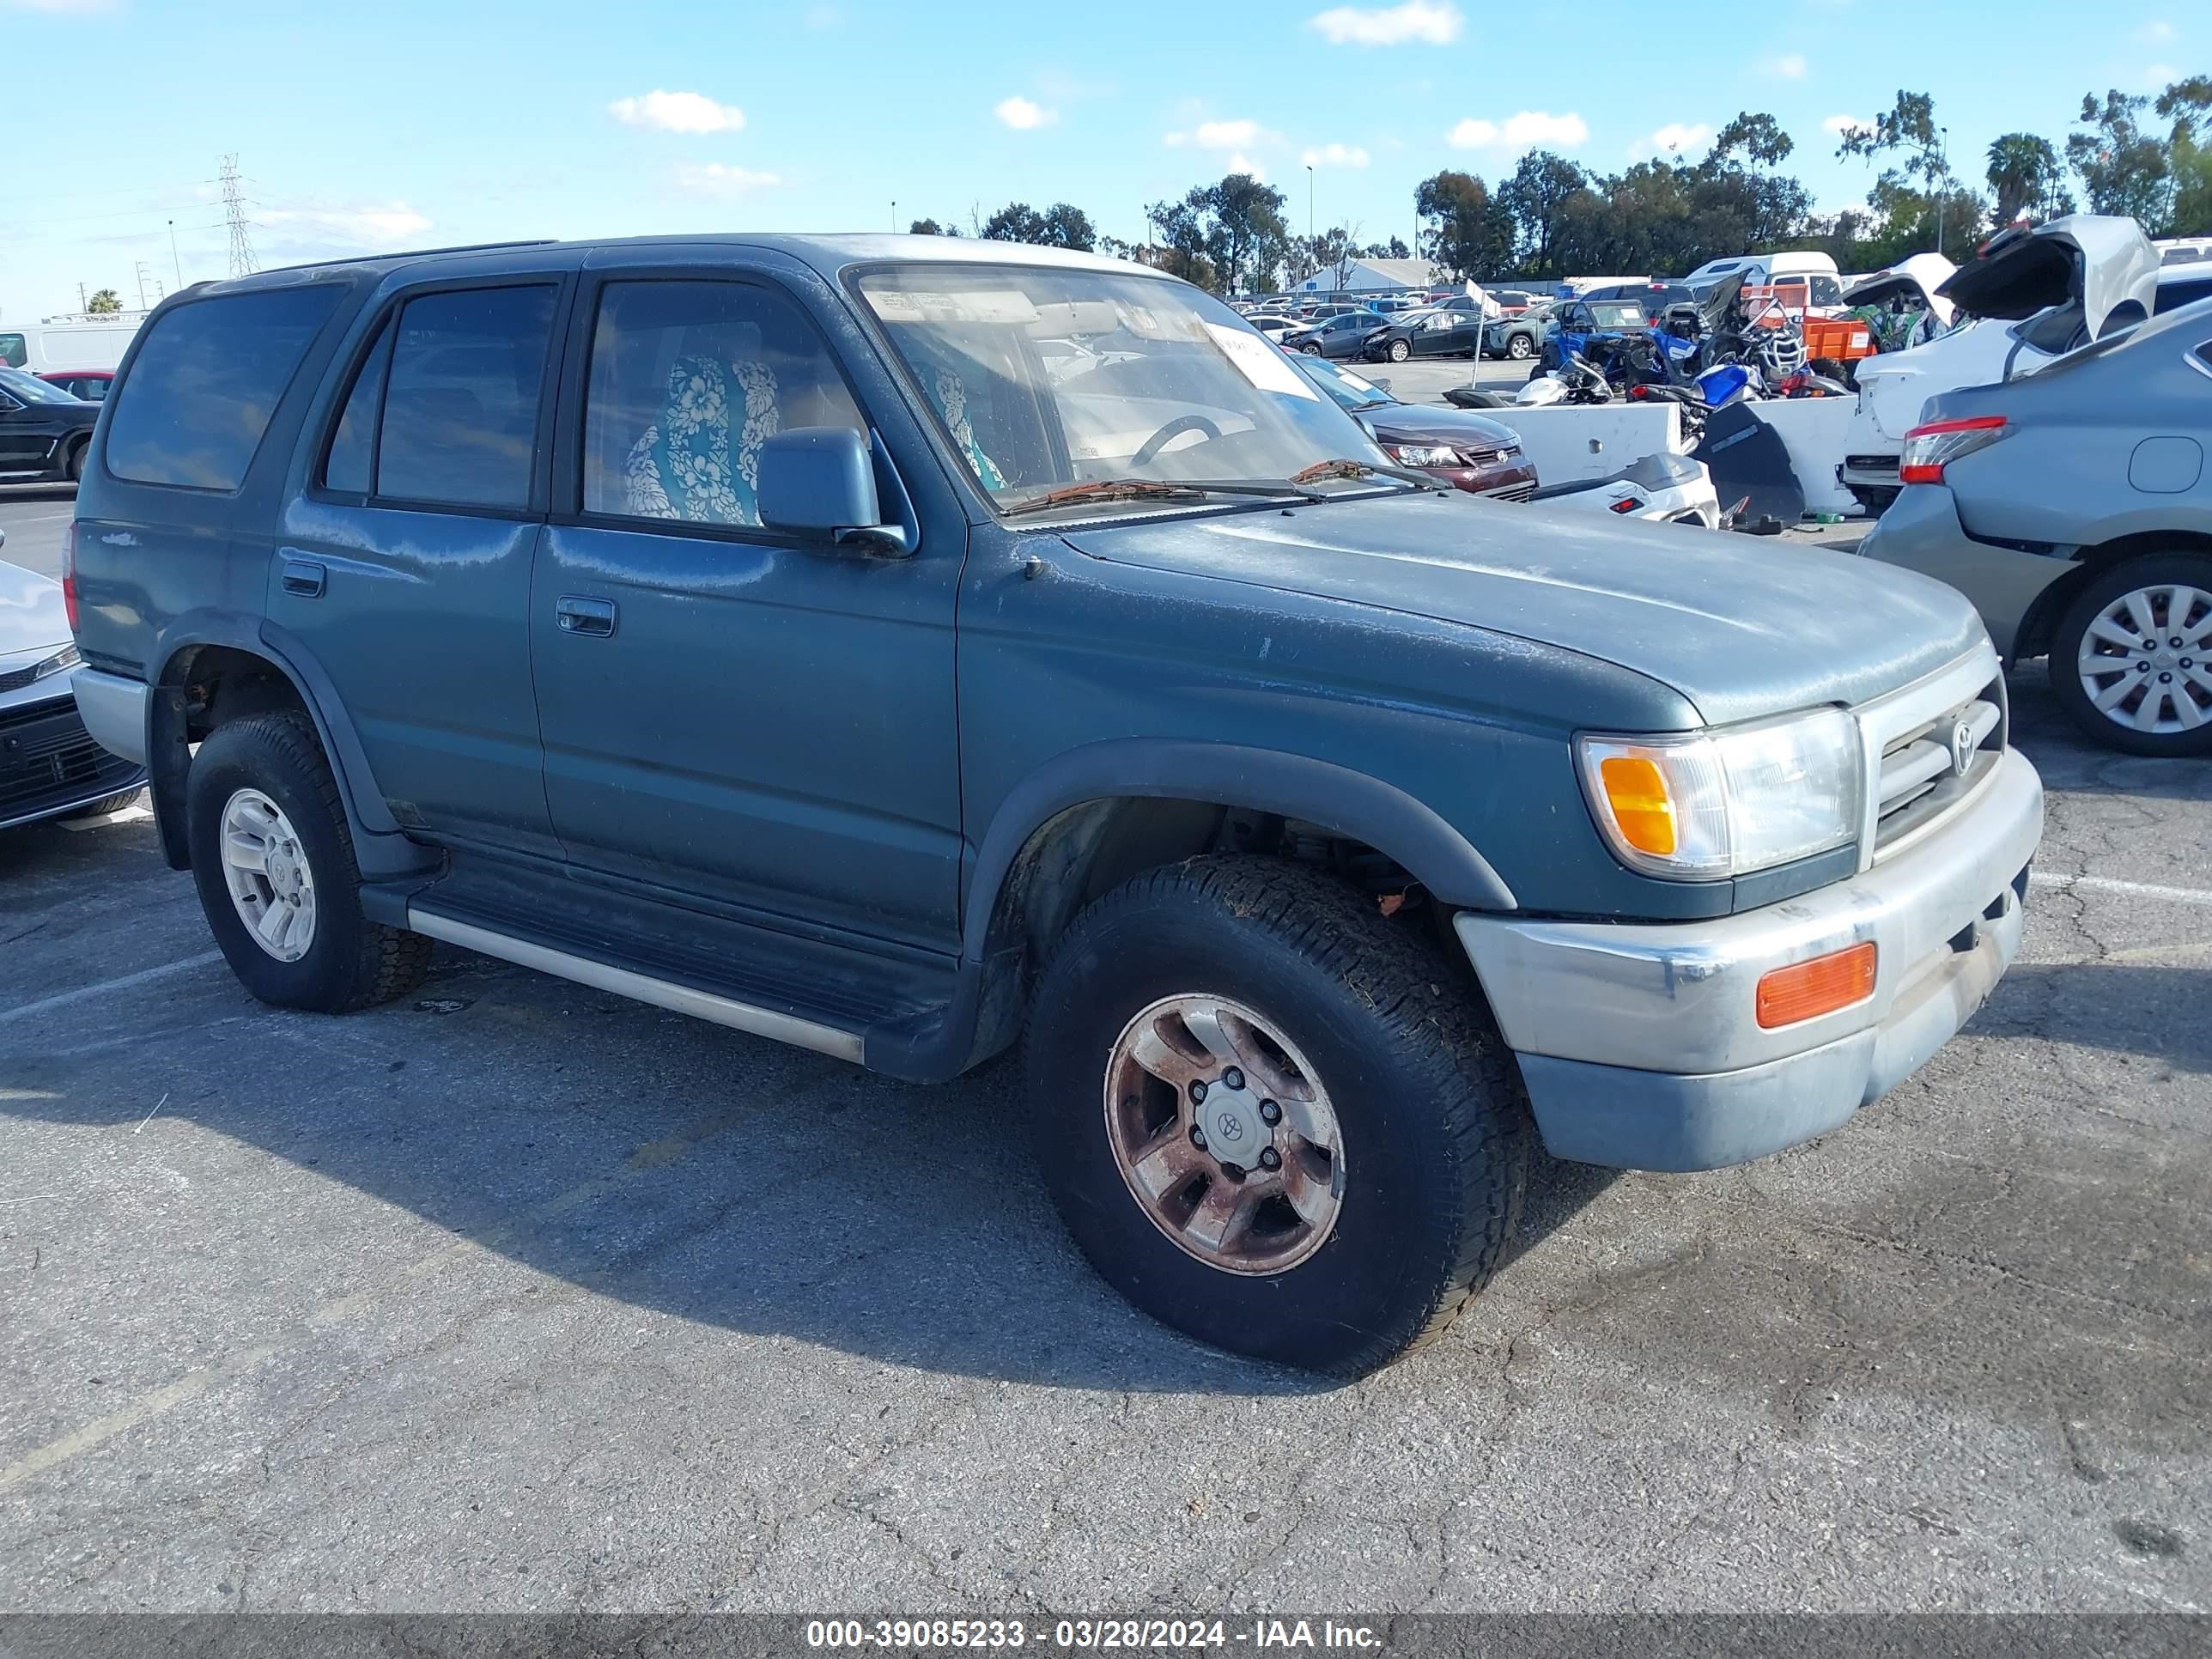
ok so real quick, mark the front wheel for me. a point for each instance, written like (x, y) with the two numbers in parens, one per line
(1399, 351)
(1270, 1117)
(1518, 346)
(2132, 657)
(273, 857)
(1310, 351)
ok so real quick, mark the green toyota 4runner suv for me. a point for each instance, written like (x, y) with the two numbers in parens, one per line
(905, 648)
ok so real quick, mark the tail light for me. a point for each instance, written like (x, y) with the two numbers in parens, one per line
(69, 573)
(1929, 449)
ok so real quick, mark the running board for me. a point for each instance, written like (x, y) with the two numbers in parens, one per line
(622, 981)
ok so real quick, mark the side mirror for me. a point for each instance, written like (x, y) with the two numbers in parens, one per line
(820, 482)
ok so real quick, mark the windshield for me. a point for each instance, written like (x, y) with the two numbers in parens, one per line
(1171, 387)
(1347, 389)
(30, 389)
(1617, 313)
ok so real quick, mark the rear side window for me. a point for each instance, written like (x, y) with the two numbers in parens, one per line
(205, 382)
(351, 464)
(461, 397)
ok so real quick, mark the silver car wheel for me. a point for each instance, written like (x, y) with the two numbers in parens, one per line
(2146, 660)
(265, 869)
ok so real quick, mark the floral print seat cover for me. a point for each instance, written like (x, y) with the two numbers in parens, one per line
(687, 464)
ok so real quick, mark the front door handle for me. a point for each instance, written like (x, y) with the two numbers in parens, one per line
(595, 618)
(303, 577)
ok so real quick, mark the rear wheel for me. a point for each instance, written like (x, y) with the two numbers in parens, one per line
(75, 466)
(1270, 1117)
(273, 857)
(2131, 659)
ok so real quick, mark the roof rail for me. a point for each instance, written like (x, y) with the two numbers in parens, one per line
(412, 253)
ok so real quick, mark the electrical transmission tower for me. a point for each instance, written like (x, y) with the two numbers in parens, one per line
(233, 211)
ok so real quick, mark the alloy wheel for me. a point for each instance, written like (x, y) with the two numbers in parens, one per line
(1225, 1134)
(265, 868)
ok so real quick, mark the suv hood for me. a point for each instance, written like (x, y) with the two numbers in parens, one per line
(32, 616)
(2095, 261)
(1740, 627)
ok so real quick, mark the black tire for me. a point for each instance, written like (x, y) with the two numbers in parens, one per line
(73, 468)
(1434, 1121)
(1519, 346)
(107, 804)
(1399, 351)
(2101, 590)
(1310, 351)
(351, 962)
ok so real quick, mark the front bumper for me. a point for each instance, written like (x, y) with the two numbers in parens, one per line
(1640, 1046)
(50, 766)
(1513, 480)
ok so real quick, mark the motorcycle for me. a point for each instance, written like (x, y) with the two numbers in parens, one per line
(1574, 381)
(1661, 489)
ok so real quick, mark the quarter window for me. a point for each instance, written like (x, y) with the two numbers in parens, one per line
(687, 380)
(205, 383)
(351, 464)
(461, 398)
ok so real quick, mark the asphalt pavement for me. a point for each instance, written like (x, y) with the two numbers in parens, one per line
(34, 517)
(516, 1296)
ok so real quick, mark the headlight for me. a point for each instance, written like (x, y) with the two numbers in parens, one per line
(1729, 801)
(1423, 454)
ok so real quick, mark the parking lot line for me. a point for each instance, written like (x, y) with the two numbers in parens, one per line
(60, 1000)
(2132, 888)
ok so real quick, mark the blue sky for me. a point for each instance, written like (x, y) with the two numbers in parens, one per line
(411, 123)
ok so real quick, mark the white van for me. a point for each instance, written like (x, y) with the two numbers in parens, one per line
(1824, 282)
(39, 347)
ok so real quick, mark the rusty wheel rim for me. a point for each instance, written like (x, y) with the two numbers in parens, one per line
(1225, 1134)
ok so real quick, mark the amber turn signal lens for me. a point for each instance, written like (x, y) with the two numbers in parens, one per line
(1806, 990)
(1637, 793)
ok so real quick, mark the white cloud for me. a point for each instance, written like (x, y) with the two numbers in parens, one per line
(1841, 125)
(1526, 130)
(377, 225)
(677, 111)
(713, 178)
(1336, 155)
(1224, 135)
(2158, 76)
(823, 16)
(1675, 138)
(1790, 66)
(1020, 114)
(1390, 26)
(2154, 34)
(1242, 163)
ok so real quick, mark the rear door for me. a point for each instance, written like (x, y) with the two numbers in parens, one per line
(404, 570)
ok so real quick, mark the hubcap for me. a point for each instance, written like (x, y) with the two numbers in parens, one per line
(1225, 1134)
(266, 870)
(2143, 661)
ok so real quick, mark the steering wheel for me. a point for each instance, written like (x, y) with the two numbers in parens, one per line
(1174, 428)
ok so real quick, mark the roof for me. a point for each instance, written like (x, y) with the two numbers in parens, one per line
(828, 254)
(1407, 273)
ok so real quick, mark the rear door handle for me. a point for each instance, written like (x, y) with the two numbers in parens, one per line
(303, 577)
(595, 618)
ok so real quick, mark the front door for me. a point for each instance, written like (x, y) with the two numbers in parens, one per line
(729, 712)
(403, 570)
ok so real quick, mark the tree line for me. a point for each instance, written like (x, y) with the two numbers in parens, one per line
(2148, 156)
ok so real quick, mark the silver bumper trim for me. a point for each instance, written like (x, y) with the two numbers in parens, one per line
(113, 710)
(1678, 998)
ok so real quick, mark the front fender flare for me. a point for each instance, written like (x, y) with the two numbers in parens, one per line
(1348, 803)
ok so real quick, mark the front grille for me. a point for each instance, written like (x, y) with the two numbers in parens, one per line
(48, 760)
(1519, 492)
(17, 679)
(1871, 462)
(1920, 780)
(1489, 456)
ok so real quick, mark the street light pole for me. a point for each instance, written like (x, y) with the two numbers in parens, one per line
(1312, 251)
(1943, 139)
(177, 264)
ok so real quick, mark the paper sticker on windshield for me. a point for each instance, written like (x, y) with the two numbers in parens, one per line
(917, 305)
(1263, 364)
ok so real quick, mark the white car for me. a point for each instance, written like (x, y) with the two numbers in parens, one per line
(2033, 296)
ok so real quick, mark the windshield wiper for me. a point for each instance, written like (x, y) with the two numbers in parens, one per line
(1144, 489)
(1321, 470)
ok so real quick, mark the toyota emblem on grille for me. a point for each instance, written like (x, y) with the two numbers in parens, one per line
(1962, 748)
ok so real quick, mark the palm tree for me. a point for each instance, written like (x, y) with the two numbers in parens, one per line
(105, 301)
(2024, 173)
